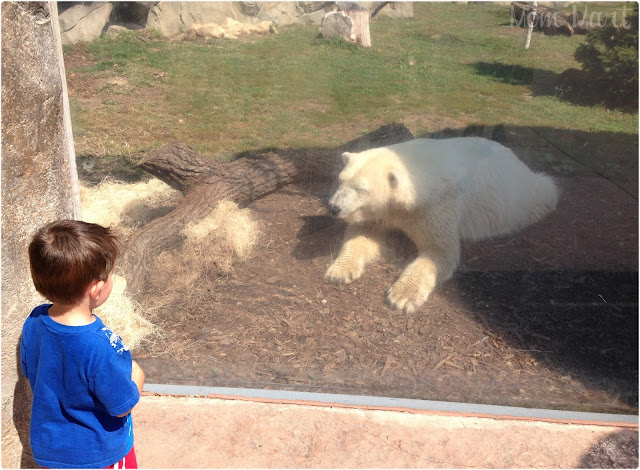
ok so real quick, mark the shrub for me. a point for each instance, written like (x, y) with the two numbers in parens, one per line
(609, 57)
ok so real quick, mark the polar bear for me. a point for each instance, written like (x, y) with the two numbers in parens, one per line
(437, 191)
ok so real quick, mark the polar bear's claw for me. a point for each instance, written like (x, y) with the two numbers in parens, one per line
(340, 274)
(406, 298)
(403, 304)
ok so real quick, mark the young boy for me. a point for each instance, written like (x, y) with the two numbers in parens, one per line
(83, 379)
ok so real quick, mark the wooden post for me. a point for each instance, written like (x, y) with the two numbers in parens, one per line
(348, 21)
(531, 20)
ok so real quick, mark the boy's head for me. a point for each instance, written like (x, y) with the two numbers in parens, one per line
(67, 256)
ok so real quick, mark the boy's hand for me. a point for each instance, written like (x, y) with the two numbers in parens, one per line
(137, 375)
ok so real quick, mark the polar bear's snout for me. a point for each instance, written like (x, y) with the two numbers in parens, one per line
(335, 207)
(344, 202)
(339, 201)
(334, 210)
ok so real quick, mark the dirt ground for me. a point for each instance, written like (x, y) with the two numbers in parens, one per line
(522, 322)
(546, 318)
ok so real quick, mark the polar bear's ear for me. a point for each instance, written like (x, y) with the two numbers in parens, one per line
(392, 177)
(346, 157)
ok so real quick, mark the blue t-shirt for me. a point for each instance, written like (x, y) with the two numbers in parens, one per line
(81, 380)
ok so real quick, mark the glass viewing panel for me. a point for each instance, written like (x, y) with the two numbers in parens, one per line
(545, 318)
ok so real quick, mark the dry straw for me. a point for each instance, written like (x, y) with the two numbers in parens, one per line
(211, 247)
(231, 228)
(127, 206)
(123, 315)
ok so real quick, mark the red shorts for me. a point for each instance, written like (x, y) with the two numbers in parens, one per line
(128, 461)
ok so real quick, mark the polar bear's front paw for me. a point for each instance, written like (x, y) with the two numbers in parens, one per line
(343, 273)
(406, 295)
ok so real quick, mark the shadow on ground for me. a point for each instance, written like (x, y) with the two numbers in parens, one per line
(581, 323)
(618, 450)
(573, 85)
(577, 310)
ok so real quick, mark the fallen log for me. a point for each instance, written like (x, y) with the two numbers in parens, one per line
(205, 182)
(546, 19)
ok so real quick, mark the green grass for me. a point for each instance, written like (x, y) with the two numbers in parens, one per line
(452, 64)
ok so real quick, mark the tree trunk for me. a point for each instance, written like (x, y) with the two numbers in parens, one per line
(207, 182)
(360, 20)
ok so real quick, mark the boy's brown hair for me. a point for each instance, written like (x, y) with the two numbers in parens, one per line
(67, 256)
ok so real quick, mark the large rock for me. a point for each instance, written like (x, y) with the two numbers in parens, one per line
(39, 184)
(171, 18)
(131, 13)
(283, 13)
(84, 22)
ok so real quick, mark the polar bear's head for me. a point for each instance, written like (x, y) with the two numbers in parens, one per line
(373, 185)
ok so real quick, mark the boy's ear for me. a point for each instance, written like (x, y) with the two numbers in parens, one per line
(95, 289)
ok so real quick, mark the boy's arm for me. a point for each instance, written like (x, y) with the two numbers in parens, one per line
(137, 375)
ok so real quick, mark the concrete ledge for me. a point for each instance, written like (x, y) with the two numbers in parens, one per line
(394, 404)
(247, 432)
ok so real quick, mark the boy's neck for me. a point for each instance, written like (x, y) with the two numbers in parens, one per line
(71, 315)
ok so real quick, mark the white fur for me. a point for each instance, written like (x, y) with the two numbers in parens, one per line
(437, 192)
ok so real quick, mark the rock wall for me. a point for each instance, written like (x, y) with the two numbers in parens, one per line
(85, 21)
(39, 184)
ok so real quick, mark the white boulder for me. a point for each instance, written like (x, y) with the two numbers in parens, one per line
(84, 22)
